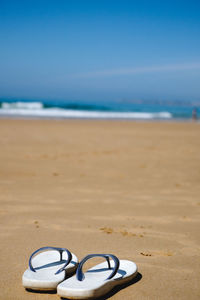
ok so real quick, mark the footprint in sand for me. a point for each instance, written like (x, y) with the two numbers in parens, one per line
(145, 254)
(124, 232)
(161, 253)
(178, 185)
(36, 224)
(55, 174)
(107, 230)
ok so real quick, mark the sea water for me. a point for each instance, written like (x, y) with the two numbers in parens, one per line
(96, 110)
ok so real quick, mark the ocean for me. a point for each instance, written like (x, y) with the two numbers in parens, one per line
(96, 110)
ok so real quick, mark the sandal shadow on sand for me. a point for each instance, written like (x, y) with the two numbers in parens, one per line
(48, 266)
(98, 280)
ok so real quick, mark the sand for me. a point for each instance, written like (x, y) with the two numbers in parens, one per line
(127, 188)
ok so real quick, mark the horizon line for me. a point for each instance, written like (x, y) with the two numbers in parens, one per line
(139, 70)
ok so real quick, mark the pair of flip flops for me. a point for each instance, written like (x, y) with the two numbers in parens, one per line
(50, 266)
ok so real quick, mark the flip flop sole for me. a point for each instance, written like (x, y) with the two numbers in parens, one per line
(94, 285)
(45, 279)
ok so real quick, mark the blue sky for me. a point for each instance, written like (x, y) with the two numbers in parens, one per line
(100, 50)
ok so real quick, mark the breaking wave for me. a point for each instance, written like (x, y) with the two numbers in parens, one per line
(38, 110)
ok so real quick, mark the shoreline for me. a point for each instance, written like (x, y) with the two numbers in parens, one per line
(175, 120)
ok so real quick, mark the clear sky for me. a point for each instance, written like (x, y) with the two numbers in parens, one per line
(100, 50)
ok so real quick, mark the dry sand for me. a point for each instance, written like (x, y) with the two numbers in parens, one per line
(128, 188)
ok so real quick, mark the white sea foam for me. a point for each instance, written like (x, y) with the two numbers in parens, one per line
(21, 105)
(36, 110)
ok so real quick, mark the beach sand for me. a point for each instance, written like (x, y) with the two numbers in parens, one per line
(127, 188)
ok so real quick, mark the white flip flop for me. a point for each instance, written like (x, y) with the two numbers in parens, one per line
(48, 268)
(98, 280)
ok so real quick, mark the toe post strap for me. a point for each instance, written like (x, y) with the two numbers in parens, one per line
(60, 250)
(79, 272)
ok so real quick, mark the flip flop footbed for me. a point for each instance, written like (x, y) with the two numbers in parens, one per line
(46, 265)
(94, 283)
